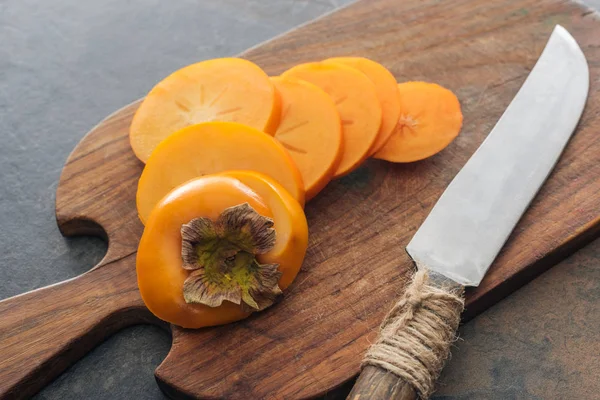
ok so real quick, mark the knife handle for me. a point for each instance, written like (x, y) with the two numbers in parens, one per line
(414, 341)
(377, 383)
(44, 331)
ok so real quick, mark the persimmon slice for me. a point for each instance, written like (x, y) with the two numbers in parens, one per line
(223, 89)
(209, 148)
(357, 103)
(310, 130)
(430, 119)
(387, 92)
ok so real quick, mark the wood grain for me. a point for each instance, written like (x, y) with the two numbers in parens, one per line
(313, 341)
(44, 331)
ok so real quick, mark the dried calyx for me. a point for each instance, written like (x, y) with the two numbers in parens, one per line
(221, 256)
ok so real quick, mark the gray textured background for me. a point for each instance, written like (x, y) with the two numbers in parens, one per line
(66, 64)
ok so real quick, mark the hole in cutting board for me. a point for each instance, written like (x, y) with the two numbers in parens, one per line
(85, 252)
(40, 256)
(87, 243)
(122, 367)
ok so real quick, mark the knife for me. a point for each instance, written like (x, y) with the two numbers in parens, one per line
(467, 227)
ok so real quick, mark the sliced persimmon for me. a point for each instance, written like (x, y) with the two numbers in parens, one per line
(223, 89)
(289, 223)
(387, 92)
(311, 131)
(210, 148)
(357, 103)
(430, 119)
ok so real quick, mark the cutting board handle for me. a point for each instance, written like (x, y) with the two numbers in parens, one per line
(44, 331)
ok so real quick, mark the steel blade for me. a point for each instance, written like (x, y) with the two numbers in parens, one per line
(471, 221)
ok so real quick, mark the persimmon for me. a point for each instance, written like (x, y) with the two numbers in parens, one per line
(387, 92)
(311, 131)
(430, 119)
(357, 103)
(222, 89)
(209, 148)
(213, 250)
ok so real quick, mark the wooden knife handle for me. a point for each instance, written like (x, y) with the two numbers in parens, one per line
(375, 383)
(414, 341)
(45, 331)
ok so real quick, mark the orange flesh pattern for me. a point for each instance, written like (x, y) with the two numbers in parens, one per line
(209, 148)
(310, 130)
(224, 89)
(357, 103)
(387, 92)
(430, 119)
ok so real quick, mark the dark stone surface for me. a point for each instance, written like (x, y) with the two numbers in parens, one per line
(542, 342)
(66, 64)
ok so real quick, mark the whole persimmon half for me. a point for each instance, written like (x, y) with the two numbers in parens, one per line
(220, 247)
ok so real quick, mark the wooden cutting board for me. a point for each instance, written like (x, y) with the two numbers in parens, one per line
(313, 341)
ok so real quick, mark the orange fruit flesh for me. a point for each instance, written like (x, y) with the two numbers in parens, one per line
(387, 92)
(310, 130)
(357, 103)
(430, 119)
(209, 148)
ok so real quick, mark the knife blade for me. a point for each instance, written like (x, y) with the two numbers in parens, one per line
(471, 221)
(487, 197)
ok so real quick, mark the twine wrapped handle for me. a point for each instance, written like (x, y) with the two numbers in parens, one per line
(414, 341)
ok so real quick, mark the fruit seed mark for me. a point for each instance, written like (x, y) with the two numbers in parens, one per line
(406, 125)
(292, 148)
(182, 106)
(286, 111)
(341, 100)
(218, 96)
(228, 111)
(291, 128)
